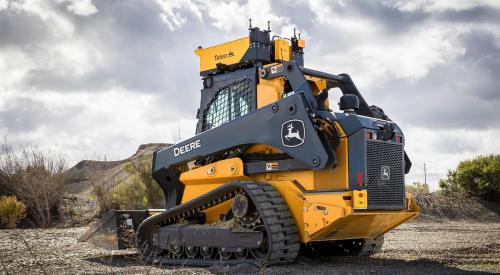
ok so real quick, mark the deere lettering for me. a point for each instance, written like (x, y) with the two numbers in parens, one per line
(223, 56)
(186, 148)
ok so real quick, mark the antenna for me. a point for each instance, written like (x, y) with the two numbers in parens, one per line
(249, 23)
(294, 36)
(179, 132)
(268, 26)
(299, 35)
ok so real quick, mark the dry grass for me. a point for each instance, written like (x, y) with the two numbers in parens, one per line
(417, 188)
(102, 185)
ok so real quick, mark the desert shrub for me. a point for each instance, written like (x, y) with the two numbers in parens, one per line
(139, 190)
(140, 172)
(11, 211)
(36, 178)
(479, 176)
(417, 188)
(129, 195)
(136, 190)
(102, 186)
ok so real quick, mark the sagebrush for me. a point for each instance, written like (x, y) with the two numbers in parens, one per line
(11, 211)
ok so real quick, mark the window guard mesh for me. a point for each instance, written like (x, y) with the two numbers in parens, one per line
(230, 102)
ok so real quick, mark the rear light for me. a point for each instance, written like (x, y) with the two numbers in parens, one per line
(370, 135)
(359, 178)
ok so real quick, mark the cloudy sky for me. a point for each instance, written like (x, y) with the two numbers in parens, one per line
(95, 79)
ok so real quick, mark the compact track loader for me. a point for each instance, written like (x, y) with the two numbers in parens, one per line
(272, 171)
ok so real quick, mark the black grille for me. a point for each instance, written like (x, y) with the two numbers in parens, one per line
(385, 171)
(230, 102)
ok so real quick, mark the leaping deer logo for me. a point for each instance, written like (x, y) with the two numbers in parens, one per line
(292, 134)
(386, 173)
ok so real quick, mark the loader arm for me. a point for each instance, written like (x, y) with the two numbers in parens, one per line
(263, 126)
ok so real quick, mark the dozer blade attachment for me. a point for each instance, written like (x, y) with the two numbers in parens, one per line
(115, 230)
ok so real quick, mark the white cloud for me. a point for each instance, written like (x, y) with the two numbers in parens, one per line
(45, 8)
(4, 4)
(60, 51)
(172, 11)
(372, 54)
(440, 5)
(82, 7)
(103, 124)
(409, 56)
(45, 11)
(14, 64)
(232, 17)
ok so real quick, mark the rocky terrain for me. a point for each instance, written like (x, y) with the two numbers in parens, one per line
(419, 247)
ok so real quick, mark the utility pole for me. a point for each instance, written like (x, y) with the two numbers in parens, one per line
(425, 174)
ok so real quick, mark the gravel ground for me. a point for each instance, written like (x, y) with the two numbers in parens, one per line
(418, 247)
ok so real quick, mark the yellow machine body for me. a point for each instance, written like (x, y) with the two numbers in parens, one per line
(320, 211)
(319, 215)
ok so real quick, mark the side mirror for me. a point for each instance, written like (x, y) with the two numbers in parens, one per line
(349, 103)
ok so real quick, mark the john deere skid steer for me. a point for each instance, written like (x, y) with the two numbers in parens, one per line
(272, 171)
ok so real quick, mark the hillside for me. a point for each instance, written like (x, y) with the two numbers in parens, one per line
(79, 175)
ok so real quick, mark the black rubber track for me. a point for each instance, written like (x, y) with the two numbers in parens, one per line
(280, 226)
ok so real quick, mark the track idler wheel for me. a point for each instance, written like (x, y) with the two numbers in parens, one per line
(206, 252)
(242, 253)
(192, 251)
(225, 255)
(240, 206)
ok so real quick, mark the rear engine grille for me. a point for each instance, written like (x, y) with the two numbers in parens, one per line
(385, 172)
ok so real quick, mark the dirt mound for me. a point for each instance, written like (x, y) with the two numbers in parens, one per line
(456, 206)
(76, 210)
(78, 176)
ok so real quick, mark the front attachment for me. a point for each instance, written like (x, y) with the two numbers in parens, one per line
(115, 230)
